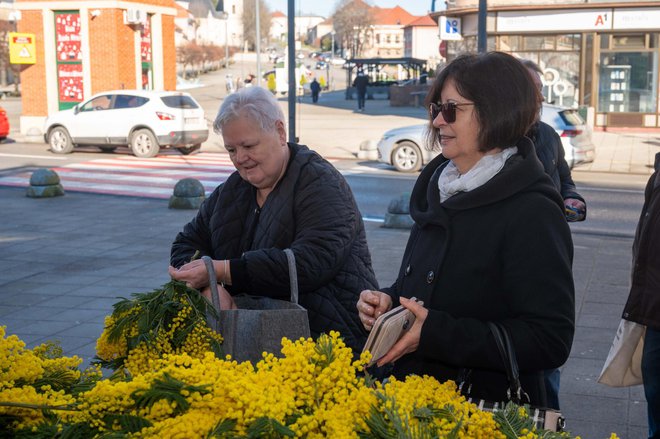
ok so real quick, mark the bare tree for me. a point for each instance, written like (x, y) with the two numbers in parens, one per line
(352, 20)
(189, 54)
(249, 21)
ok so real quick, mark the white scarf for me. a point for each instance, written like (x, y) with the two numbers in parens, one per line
(452, 182)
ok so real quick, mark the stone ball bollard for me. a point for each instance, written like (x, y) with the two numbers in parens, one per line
(188, 194)
(45, 183)
(398, 213)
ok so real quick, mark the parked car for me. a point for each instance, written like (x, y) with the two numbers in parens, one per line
(4, 124)
(404, 147)
(321, 65)
(575, 134)
(142, 119)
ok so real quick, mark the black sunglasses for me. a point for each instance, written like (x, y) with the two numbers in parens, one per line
(448, 110)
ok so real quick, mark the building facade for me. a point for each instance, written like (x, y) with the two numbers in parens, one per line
(599, 54)
(421, 40)
(83, 48)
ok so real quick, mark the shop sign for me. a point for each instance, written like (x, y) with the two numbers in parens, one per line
(636, 18)
(67, 37)
(450, 28)
(560, 20)
(145, 41)
(70, 77)
(22, 49)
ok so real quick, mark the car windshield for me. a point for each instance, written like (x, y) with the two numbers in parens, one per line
(571, 117)
(179, 101)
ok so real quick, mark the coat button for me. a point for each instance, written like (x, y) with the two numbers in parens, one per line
(429, 277)
(408, 270)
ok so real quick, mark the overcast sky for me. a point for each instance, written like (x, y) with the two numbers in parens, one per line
(326, 7)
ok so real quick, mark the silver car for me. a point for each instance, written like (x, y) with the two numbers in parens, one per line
(404, 147)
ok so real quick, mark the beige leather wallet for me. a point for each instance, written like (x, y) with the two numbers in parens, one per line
(387, 330)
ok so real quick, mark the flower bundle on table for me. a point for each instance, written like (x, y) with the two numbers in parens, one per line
(171, 381)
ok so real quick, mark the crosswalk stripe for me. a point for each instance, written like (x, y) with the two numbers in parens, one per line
(127, 175)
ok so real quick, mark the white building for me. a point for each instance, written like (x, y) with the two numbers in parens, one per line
(205, 25)
(421, 40)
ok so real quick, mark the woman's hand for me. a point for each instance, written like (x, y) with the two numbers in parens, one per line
(226, 300)
(193, 273)
(371, 305)
(410, 340)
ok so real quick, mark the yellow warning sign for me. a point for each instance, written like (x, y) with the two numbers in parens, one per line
(22, 49)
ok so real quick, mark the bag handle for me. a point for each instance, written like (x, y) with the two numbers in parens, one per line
(508, 354)
(213, 282)
(293, 278)
(293, 274)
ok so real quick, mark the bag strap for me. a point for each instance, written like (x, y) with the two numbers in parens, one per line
(293, 274)
(213, 280)
(508, 354)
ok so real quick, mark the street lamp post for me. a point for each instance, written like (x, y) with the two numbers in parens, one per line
(225, 16)
(258, 43)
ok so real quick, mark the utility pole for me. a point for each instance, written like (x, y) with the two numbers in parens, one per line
(226, 17)
(291, 41)
(482, 38)
(258, 43)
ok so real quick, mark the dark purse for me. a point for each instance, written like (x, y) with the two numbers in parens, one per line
(544, 418)
(260, 322)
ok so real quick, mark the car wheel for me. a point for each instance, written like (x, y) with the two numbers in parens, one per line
(144, 144)
(185, 150)
(60, 141)
(407, 157)
(107, 148)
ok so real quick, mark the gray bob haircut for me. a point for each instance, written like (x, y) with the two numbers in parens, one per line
(257, 103)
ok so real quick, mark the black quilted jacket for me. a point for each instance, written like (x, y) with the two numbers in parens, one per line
(313, 212)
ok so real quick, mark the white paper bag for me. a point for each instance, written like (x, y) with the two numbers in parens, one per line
(623, 366)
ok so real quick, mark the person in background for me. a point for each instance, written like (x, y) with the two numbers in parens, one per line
(489, 241)
(550, 151)
(282, 195)
(643, 305)
(315, 88)
(360, 83)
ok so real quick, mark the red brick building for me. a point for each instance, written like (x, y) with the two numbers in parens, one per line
(83, 48)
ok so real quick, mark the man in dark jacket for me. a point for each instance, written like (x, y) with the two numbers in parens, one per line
(643, 304)
(550, 151)
(315, 88)
(282, 196)
(360, 83)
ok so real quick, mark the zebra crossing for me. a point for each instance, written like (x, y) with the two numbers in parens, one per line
(132, 176)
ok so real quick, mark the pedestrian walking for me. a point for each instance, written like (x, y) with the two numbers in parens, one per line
(229, 83)
(360, 83)
(489, 243)
(315, 87)
(550, 151)
(643, 305)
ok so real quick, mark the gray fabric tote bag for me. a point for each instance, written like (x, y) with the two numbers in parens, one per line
(259, 323)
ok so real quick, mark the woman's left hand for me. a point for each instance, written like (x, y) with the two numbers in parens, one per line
(410, 340)
(193, 273)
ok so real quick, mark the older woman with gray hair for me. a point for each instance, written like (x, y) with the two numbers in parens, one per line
(283, 195)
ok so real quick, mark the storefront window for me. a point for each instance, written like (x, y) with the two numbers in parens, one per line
(628, 82)
(539, 43)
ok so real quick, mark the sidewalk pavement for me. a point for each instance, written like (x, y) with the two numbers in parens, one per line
(66, 260)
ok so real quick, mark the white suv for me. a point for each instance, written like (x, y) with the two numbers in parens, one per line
(142, 119)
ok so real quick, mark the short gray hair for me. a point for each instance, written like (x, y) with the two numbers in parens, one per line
(255, 102)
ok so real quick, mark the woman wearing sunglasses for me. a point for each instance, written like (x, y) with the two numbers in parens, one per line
(489, 243)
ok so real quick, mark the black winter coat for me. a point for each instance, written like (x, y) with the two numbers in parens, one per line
(313, 212)
(643, 304)
(502, 253)
(550, 151)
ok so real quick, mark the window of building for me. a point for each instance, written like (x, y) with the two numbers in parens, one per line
(628, 82)
(628, 41)
(377, 38)
(397, 40)
(388, 38)
(538, 43)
